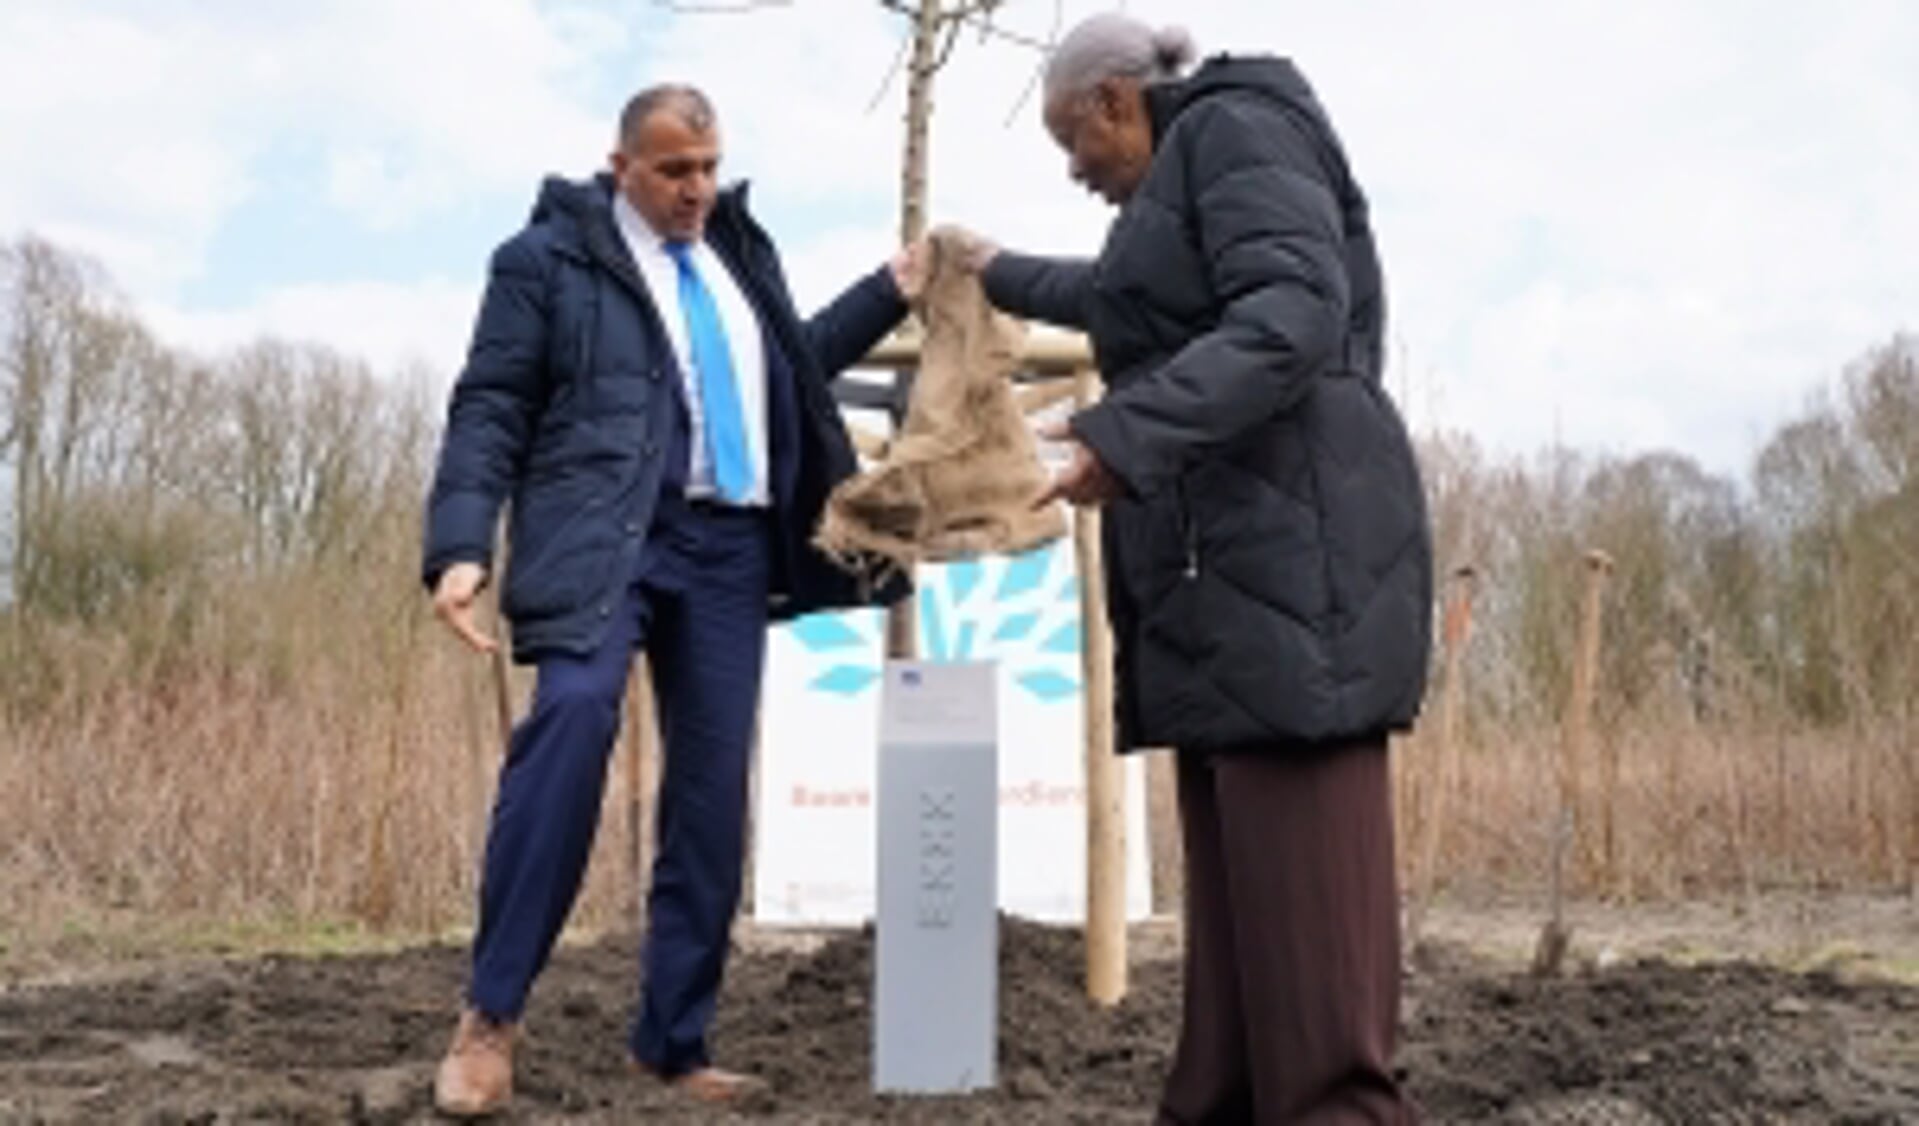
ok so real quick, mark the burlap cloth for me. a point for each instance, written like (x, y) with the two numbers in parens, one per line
(960, 477)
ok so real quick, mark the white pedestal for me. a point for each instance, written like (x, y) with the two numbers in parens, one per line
(936, 972)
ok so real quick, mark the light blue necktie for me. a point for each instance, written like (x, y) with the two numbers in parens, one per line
(719, 392)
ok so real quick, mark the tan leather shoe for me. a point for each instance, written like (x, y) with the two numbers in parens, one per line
(711, 1085)
(476, 1077)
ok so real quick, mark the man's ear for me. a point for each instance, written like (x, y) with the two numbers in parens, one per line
(618, 160)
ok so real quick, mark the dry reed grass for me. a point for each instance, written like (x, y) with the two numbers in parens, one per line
(1674, 811)
(354, 785)
(350, 783)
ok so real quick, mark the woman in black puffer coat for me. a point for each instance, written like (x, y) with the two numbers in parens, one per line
(1268, 557)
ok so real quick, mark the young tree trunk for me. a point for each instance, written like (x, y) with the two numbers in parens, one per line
(902, 635)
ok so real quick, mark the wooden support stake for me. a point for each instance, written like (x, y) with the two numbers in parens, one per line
(1909, 755)
(485, 767)
(1165, 851)
(1455, 630)
(1555, 936)
(502, 687)
(479, 769)
(641, 775)
(1105, 780)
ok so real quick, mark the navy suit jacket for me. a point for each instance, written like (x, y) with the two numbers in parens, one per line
(569, 411)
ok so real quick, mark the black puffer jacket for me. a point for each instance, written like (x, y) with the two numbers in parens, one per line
(1270, 575)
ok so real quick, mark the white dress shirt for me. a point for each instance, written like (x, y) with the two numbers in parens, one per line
(742, 327)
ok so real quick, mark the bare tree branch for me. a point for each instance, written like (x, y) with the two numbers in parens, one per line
(1039, 68)
(987, 28)
(946, 48)
(892, 72)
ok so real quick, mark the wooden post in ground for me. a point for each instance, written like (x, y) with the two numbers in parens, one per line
(1456, 627)
(478, 769)
(1738, 817)
(1610, 871)
(1578, 730)
(1555, 936)
(641, 774)
(1105, 781)
(502, 687)
(1908, 753)
(487, 768)
(1165, 852)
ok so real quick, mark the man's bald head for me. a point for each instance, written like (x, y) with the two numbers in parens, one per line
(688, 103)
(667, 160)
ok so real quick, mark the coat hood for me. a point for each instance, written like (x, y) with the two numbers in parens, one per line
(572, 198)
(1261, 76)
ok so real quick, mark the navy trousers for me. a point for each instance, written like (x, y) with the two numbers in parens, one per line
(697, 604)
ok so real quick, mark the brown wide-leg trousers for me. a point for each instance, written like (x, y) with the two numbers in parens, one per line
(1292, 940)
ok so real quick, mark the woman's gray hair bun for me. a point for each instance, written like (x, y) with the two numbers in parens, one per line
(1112, 45)
(1174, 50)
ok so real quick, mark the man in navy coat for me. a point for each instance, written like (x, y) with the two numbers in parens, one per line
(642, 395)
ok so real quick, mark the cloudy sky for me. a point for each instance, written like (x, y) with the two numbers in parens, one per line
(1616, 224)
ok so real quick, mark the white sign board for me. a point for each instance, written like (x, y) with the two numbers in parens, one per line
(935, 966)
(820, 719)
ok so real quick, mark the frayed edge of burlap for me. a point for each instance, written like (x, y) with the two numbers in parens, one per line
(871, 557)
(875, 558)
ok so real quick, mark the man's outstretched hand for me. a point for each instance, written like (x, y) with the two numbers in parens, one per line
(910, 266)
(453, 598)
(1085, 480)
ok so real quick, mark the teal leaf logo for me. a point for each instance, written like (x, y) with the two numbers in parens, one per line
(825, 632)
(1021, 611)
(1017, 627)
(1047, 685)
(846, 680)
(1065, 640)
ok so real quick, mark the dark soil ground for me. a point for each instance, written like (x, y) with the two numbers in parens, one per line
(355, 1039)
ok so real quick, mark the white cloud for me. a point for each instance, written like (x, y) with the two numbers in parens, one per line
(149, 122)
(101, 141)
(393, 327)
